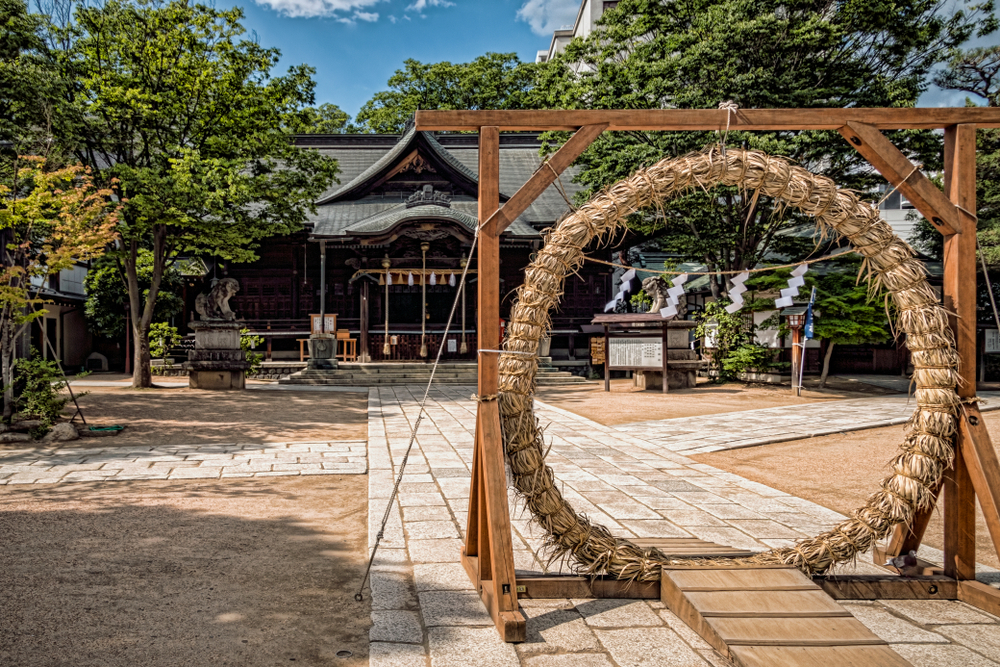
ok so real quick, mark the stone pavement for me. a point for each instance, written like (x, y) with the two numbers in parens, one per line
(51, 465)
(732, 430)
(426, 613)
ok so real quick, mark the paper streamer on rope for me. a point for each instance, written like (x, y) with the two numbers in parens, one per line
(736, 293)
(409, 280)
(433, 279)
(674, 295)
(451, 279)
(626, 284)
(794, 283)
(388, 278)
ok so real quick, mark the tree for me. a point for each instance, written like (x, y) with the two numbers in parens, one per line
(694, 54)
(324, 119)
(848, 313)
(168, 99)
(49, 221)
(28, 82)
(107, 294)
(492, 81)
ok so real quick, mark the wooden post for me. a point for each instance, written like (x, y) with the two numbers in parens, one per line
(960, 299)
(488, 556)
(607, 359)
(796, 359)
(666, 349)
(363, 355)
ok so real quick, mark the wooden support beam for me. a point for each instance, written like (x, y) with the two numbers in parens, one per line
(488, 555)
(904, 175)
(984, 469)
(960, 300)
(906, 539)
(980, 595)
(888, 587)
(689, 120)
(545, 176)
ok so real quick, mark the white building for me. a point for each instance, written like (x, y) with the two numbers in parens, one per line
(586, 18)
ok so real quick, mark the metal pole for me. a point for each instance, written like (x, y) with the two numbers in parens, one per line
(322, 286)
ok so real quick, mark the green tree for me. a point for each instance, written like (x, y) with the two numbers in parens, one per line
(107, 293)
(492, 81)
(695, 54)
(49, 221)
(28, 82)
(172, 101)
(324, 119)
(848, 314)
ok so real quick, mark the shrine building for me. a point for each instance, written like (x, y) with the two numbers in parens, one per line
(392, 239)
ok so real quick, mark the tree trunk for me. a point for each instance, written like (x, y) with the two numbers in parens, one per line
(826, 364)
(142, 310)
(7, 358)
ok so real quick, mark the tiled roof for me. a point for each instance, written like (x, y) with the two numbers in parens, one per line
(372, 217)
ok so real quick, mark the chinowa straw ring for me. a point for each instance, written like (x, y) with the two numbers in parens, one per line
(927, 449)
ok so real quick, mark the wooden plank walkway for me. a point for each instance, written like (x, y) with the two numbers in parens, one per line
(772, 617)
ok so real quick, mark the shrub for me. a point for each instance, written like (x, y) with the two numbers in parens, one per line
(247, 343)
(749, 358)
(162, 337)
(42, 381)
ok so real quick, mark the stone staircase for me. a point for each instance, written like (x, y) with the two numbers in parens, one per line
(350, 374)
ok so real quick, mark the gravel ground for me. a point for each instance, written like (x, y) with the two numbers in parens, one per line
(840, 472)
(232, 572)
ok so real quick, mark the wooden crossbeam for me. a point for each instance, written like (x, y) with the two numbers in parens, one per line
(904, 175)
(546, 176)
(706, 119)
(984, 469)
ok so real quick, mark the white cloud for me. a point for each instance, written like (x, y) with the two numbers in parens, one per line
(392, 19)
(310, 8)
(421, 5)
(544, 16)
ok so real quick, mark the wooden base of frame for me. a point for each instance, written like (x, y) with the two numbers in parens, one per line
(510, 624)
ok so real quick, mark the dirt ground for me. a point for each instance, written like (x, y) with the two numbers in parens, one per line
(840, 472)
(193, 416)
(625, 404)
(231, 572)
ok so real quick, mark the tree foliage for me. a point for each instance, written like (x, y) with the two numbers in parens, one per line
(492, 81)
(107, 294)
(694, 54)
(171, 100)
(49, 221)
(324, 119)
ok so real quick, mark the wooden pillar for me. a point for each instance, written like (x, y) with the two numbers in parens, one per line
(607, 359)
(666, 354)
(488, 556)
(363, 355)
(960, 300)
(797, 359)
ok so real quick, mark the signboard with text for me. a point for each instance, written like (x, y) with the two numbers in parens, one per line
(636, 353)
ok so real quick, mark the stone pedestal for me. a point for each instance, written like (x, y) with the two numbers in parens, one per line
(322, 352)
(216, 362)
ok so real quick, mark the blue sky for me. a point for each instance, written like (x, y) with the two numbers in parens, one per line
(356, 45)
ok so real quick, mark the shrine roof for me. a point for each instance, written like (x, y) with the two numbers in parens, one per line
(363, 158)
(366, 217)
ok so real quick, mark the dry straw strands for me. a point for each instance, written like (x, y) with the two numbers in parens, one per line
(926, 451)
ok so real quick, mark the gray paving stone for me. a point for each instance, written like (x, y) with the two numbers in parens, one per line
(453, 608)
(381, 654)
(430, 530)
(571, 660)
(940, 655)
(434, 551)
(556, 630)
(611, 613)
(889, 627)
(441, 577)
(938, 612)
(392, 588)
(393, 625)
(652, 647)
(983, 639)
(465, 647)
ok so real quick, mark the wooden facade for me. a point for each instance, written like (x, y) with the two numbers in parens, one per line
(397, 196)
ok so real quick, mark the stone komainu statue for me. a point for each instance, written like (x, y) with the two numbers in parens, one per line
(656, 287)
(215, 304)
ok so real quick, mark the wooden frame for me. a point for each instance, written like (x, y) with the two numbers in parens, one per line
(488, 555)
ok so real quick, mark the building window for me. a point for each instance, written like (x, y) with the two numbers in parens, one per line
(610, 5)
